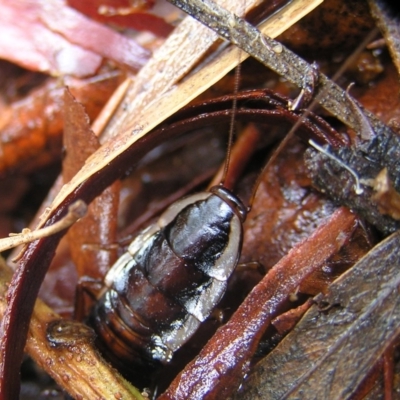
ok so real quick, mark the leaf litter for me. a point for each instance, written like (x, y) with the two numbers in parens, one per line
(328, 354)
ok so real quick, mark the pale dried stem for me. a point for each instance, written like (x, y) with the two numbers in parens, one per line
(76, 211)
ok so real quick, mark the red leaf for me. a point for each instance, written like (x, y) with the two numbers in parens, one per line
(135, 19)
(50, 37)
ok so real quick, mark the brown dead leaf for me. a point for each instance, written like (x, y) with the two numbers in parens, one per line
(31, 128)
(340, 339)
(285, 211)
(92, 239)
(79, 141)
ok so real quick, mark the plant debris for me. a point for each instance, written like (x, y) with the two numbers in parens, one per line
(366, 161)
(299, 236)
(345, 333)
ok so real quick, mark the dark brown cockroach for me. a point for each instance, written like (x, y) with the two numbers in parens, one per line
(171, 278)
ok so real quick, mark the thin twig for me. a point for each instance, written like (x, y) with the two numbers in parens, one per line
(76, 211)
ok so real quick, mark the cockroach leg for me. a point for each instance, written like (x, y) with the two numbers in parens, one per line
(87, 289)
(294, 296)
(307, 91)
(218, 315)
(252, 265)
(376, 44)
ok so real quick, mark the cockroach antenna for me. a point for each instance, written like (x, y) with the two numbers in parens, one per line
(357, 187)
(232, 122)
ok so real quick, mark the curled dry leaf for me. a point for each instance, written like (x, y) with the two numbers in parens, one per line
(330, 351)
(92, 239)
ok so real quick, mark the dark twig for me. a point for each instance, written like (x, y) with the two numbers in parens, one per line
(278, 58)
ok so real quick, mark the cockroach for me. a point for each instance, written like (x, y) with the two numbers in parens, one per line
(171, 278)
